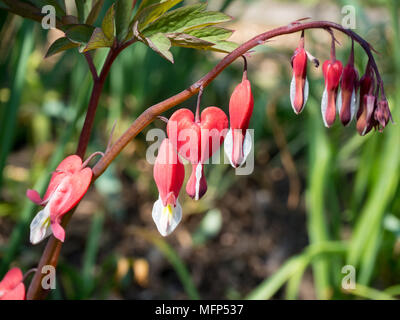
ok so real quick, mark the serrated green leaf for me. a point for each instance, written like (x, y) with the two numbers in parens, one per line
(184, 19)
(108, 23)
(94, 13)
(224, 46)
(80, 33)
(152, 12)
(187, 41)
(59, 45)
(145, 3)
(211, 33)
(97, 40)
(123, 10)
(160, 44)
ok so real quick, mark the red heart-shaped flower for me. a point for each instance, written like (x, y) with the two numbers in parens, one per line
(196, 141)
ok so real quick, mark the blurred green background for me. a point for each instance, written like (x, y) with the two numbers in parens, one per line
(318, 199)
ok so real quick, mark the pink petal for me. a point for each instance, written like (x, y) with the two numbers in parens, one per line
(18, 293)
(58, 231)
(34, 196)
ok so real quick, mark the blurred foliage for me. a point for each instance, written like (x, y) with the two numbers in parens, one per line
(350, 184)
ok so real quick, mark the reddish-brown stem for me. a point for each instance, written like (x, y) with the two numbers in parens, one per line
(197, 115)
(53, 246)
(92, 68)
(152, 112)
(52, 250)
(244, 77)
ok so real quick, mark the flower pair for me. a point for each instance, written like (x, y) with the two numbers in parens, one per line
(196, 139)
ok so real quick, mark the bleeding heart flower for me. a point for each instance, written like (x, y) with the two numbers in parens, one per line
(382, 113)
(299, 84)
(347, 99)
(67, 186)
(196, 141)
(169, 174)
(332, 70)
(367, 102)
(12, 287)
(237, 144)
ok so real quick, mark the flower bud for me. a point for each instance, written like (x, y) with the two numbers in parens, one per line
(382, 113)
(367, 103)
(332, 70)
(237, 144)
(299, 83)
(347, 99)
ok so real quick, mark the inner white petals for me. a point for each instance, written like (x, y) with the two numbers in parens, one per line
(306, 90)
(293, 93)
(324, 106)
(339, 102)
(353, 104)
(166, 218)
(198, 178)
(40, 226)
(228, 146)
(247, 145)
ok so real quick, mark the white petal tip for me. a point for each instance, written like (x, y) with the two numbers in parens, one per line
(166, 218)
(40, 227)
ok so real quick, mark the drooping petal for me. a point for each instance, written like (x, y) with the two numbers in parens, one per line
(34, 196)
(166, 217)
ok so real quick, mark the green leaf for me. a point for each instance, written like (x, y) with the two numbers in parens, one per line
(211, 33)
(185, 19)
(59, 45)
(160, 44)
(108, 23)
(94, 13)
(123, 9)
(80, 9)
(188, 41)
(152, 12)
(97, 40)
(145, 3)
(80, 33)
(224, 46)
